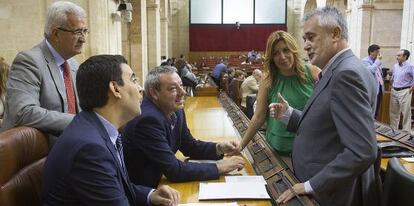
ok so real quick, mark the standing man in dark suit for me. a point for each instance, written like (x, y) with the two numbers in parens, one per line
(41, 85)
(153, 138)
(335, 146)
(86, 165)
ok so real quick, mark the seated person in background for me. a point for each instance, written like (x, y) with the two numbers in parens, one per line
(238, 75)
(153, 138)
(230, 75)
(166, 62)
(252, 54)
(246, 61)
(85, 167)
(220, 68)
(188, 78)
(4, 73)
(41, 87)
(250, 85)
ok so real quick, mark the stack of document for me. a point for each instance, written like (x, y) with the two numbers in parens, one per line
(241, 187)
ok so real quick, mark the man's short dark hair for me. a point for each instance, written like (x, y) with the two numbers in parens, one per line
(93, 77)
(406, 53)
(373, 48)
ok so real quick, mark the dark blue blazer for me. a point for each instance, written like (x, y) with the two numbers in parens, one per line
(83, 168)
(150, 145)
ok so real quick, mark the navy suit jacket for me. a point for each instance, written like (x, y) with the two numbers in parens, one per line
(83, 168)
(150, 144)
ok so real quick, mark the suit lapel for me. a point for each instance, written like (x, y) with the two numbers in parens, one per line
(324, 82)
(55, 73)
(104, 134)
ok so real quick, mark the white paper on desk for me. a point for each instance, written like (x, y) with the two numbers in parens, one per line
(209, 204)
(232, 190)
(408, 159)
(246, 178)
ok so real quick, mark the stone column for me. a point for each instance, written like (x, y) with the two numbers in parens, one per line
(164, 14)
(105, 35)
(137, 44)
(407, 30)
(154, 33)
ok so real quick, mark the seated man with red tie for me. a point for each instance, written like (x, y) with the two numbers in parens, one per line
(41, 85)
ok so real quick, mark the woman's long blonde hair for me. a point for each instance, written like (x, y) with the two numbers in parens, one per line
(270, 68)
(4, 73)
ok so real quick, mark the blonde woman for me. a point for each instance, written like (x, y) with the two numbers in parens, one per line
(287, 74)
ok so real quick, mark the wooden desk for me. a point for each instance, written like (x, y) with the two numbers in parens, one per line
(208, 121)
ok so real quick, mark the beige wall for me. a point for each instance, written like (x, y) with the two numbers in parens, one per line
(21, 32)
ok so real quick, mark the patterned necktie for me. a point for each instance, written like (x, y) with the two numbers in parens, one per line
(70, 94)
(379, 76)
(120, 150)
(318, 79)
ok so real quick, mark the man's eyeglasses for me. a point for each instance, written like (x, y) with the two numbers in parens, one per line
(77, 32)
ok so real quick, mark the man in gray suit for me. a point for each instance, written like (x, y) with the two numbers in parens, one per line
(41, 85)
(335, 147)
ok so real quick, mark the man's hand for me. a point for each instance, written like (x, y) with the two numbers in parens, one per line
(165, 195)
(230, 148)
(299, 189)
(277, 110)
(379, 56)
(230, 164)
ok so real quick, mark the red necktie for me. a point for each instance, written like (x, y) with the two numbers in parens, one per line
(70, 94)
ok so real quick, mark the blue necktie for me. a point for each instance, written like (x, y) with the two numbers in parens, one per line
(120, 150)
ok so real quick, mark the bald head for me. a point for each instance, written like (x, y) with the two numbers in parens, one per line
(257, 73)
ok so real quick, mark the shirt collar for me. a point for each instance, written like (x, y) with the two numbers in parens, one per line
(403, 64)
(58, 58)
(332, 60)
(110, 128)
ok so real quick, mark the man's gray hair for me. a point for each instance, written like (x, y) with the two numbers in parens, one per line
(57, 15)
(152, 80)
(329, 18)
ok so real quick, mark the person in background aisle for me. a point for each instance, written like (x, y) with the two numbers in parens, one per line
(373, 63)
(287, 74)
(86, 166)
(41, 90)
(153, 138)
(4, 73)
(219, 70)
(402, 90)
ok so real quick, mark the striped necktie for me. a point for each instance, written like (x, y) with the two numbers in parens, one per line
(120, 150)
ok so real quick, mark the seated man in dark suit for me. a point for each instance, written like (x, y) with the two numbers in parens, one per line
(86, 167)
(153, 138)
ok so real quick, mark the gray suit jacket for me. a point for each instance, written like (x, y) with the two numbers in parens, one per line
(36, 95)
(336, 147)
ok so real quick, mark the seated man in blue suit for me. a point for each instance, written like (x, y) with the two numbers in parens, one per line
(86, 167)
(153, 138)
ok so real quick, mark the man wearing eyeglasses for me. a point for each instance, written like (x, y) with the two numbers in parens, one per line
(41, 85)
